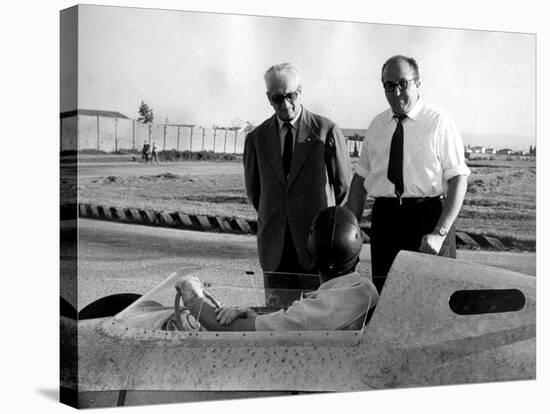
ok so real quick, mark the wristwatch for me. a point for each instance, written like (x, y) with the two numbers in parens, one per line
(442, 231)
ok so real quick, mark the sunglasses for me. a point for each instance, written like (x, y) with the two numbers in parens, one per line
(401, 84)
(279, 99)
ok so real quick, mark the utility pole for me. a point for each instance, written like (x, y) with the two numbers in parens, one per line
(225, 142)
(116, 127)
(97, 117)
(214, 145)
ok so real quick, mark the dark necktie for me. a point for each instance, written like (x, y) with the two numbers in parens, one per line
(395, 164)
(287, 151)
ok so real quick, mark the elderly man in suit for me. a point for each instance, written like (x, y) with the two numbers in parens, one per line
(296, 163)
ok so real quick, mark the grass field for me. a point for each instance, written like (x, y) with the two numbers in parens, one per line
(500, 200)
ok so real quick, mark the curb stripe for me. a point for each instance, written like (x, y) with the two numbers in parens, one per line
(150, 216)
(495, 243)
(94, 211)
(166, 218)
(243, 226)
(253, 226)
(133, 214)
(204, 223)
(120, 215)
(237, 225)
(224, 224)
(186, 221)
(462, 239)
(107, 213)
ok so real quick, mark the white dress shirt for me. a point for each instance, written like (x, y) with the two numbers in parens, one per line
(334, 305)
(433, 153)
(282, 130)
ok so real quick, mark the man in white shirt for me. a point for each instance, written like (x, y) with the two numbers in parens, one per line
(341, 301)
(412, 164)
(295, 164)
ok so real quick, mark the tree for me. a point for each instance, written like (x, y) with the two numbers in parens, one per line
(241, 125)
(145, 114)
(248, 126)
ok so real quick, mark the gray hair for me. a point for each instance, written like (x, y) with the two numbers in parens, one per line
(412, 63)
(281, 69)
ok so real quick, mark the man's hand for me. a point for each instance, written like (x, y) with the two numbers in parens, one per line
(226, 315)
(190, 287)
(431, 243)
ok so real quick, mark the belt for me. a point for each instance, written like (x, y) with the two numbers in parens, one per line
(405, 201)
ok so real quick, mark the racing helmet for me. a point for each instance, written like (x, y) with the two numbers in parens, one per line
(335, 240)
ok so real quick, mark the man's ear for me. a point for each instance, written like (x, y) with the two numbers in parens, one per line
(299, 89)
(418, 83)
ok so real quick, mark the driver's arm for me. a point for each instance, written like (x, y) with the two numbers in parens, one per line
(206, 315)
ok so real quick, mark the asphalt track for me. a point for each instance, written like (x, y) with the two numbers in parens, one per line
(117, 257)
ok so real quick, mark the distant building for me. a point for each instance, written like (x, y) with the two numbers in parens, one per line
(490, 151)
(93, 112)
(478, 150)
(354, 138)
(505, 151)
(354, 134)
(85, 129)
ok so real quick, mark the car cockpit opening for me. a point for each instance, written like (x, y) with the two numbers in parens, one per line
(161, 312)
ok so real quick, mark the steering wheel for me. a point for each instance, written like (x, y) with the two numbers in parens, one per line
(191, 324)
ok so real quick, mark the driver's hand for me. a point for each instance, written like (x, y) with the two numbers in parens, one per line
(226, 315)
(190, 287)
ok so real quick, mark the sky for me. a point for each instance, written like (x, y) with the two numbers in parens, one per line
(207, 68)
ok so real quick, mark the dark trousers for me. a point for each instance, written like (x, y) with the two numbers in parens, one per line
(398, 227)
(285, 285)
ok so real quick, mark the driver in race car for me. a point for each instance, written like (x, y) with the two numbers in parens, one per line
(341, 301)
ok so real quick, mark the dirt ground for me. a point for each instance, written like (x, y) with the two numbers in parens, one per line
(501, 199)
(214, 188)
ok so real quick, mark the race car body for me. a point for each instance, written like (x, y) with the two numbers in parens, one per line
(438, 321)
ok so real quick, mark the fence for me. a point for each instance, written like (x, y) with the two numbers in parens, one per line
(112, 134)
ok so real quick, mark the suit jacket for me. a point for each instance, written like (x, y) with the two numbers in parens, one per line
(319, 177)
